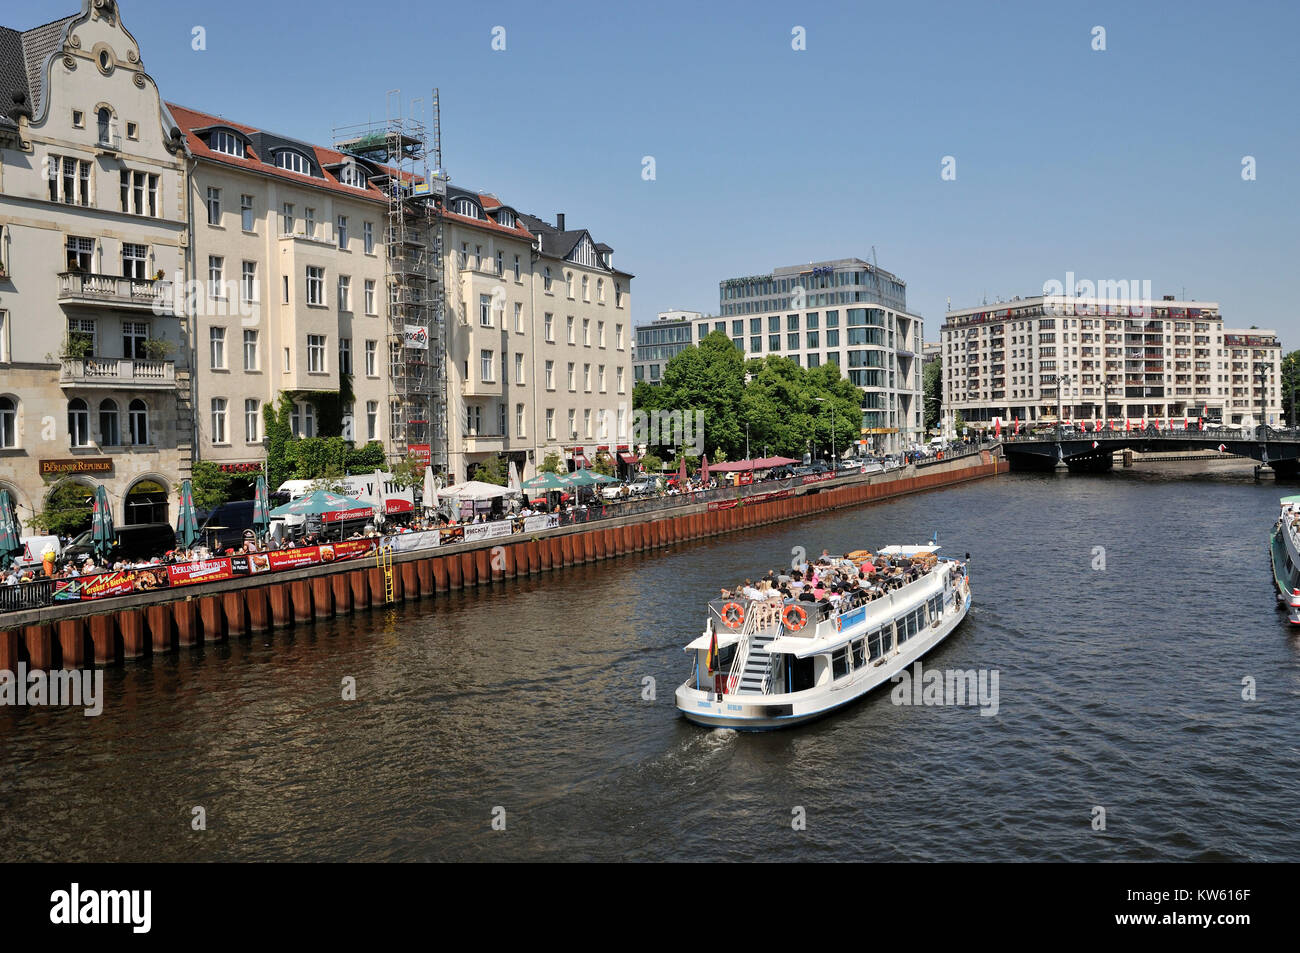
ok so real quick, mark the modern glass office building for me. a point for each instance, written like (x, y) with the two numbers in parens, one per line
(847, 312)
(659, 342)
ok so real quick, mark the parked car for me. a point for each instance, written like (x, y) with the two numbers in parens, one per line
(34, 550)
(802, 471)
(138, 541)
(782, 472)
(820, 466)
(850, 464)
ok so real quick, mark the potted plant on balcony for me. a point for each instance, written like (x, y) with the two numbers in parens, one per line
(159, 275)
(75, 347)
(158, 349)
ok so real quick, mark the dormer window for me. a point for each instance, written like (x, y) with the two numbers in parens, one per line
(468, 209)
(227, 143)
(352, 175)
(292, 161)
(506, 218)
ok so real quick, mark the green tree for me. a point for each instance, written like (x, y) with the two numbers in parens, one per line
(552, 463)
(1290, 384)
(707, 377)
(932, 391)
(958, 423)
(408, 473)
(652, 463)
(492, 470)
(211, 485)
(67, 510)
(314, 458)
(603, 465)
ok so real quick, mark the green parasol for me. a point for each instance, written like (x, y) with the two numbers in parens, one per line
(10, 540)
(101, 524)
(261, 508)
(187, 523)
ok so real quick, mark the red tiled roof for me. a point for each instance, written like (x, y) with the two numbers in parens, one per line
(189, 120)
(491, 225)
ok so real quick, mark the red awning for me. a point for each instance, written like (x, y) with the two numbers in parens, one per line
(579, 461)
(629, 458)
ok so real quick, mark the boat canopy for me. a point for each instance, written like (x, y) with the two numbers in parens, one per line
(907, 550)
(725, 638)
(1292, 500)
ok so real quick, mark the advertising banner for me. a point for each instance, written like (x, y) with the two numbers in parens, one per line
(493, 530)
(546, 521)
(204, 570)
(410, 542)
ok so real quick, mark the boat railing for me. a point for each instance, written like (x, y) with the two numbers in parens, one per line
(741, 657)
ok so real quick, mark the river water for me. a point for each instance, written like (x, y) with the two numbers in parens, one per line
(1120, 687)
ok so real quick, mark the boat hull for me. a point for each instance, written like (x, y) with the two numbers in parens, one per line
(745, 712)
(1286, 577)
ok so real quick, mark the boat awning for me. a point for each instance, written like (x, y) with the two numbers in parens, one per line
(793, 645)
(907, 550)
(725, 638)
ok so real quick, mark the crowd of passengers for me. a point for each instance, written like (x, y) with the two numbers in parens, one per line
(833, 583)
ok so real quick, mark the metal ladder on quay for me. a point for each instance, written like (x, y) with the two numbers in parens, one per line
(384, 561)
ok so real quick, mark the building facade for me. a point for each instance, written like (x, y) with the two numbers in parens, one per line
(846, 312)
(1049, 358)
(539, 339)
(94, 370)
(659, 342)
(290, 297)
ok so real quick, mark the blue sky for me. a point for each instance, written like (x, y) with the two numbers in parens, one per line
(1122, 164)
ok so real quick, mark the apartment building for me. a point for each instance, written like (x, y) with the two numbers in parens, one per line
(848, 312)
(1046, 358)
(290, 297)
(94, 372)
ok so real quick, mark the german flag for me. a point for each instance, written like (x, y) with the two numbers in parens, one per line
(711, 660)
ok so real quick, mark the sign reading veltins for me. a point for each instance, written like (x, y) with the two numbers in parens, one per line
(89, 465)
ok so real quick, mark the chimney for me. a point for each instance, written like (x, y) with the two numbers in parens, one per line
(559, 221)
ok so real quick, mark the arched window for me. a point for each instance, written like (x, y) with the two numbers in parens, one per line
(78, 423)
(600, 290)
(108, 423)
(293, 161)
(8, 423)
(546, 278)
(105, 120)
(568, 283)
(138, 422)
(586, 294)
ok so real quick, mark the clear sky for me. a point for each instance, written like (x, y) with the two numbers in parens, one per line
(1117, 164)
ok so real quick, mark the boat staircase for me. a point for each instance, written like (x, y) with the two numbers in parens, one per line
(752, 669)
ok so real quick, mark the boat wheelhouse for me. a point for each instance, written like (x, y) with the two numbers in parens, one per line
(771, 663)
(1284, 553)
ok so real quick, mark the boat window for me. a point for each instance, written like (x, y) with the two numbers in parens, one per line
(840, 662)
(874, 640)
(859, 648)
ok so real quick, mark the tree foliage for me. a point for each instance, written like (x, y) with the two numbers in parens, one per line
(492, 470)
(1290, 383)
(789, 409)
(932, 391)
(210, 483)
(552, 463)
(67, 510)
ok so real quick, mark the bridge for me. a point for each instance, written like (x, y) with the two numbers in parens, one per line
(1093, 451)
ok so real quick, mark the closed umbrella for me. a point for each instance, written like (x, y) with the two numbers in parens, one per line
(10, 541)
(261, 508)
(704, 471)
(187, 522)
(101, 524)
(430, 490)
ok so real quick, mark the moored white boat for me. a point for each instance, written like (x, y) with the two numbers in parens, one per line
(1284, 554)
(778, 663)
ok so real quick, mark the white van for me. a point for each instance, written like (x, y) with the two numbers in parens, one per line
(34, 548)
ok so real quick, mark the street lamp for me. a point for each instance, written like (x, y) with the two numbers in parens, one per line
(823, 400)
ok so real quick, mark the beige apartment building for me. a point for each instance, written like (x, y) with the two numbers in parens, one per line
(1047, 358)
(289, 298)
(93, 231)
(539, 339)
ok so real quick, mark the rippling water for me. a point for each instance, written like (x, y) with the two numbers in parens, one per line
(1118, 688)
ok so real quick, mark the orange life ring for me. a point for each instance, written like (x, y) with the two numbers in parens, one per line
(733, 620)
(795, 617)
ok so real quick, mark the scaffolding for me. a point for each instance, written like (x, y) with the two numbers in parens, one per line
(399, 147)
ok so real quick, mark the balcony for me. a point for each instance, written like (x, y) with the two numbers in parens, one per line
(133, 294)
(117, 373)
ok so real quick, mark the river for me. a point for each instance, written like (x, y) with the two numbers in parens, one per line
(1120, 688)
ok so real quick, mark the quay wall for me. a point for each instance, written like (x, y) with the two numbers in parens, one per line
(80, 635)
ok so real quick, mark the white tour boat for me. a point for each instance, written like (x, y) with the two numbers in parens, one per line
(774, 663)
(1284, 552)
